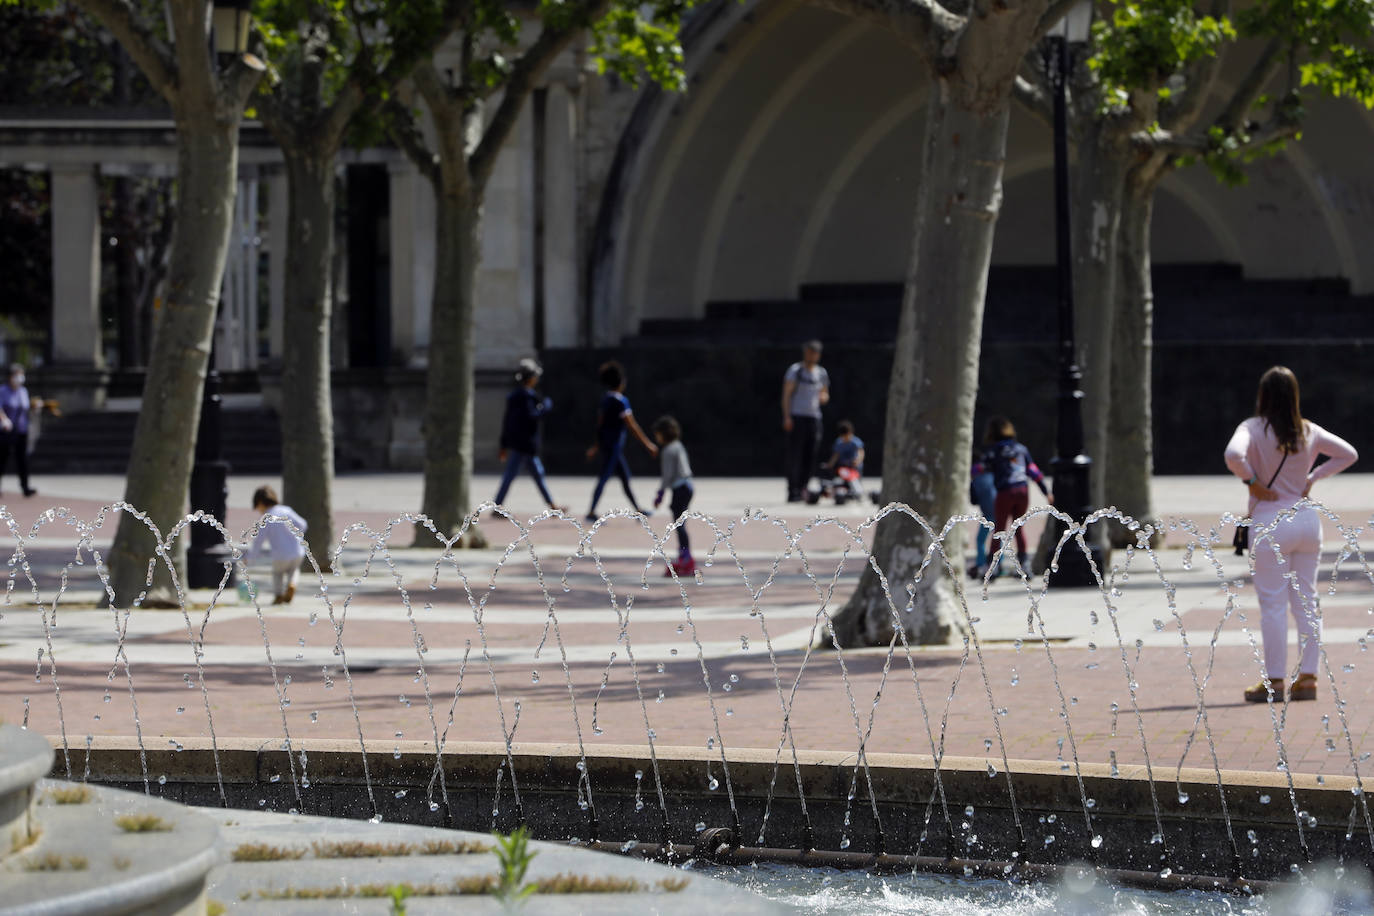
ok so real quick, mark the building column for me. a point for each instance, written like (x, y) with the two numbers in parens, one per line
(562, 289)
(76, 375)
(76, 267)
(411, 230)
(277, 205)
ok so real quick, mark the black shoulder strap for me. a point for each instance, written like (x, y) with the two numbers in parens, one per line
(1276, 471)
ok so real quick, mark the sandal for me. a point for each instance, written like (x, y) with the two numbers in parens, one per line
(1304, 688)
(1260, 692)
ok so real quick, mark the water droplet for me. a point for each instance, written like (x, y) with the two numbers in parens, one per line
(968, 812)
(162, 780)
(1097, 841)
(844, 842)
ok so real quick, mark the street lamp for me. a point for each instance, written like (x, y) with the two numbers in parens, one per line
(231, 22)
(208, 555)
(1071, 466)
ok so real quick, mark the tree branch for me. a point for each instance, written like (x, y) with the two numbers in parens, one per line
(237, 84)
(405, 131)
(1033, 95)
(1199, 82)
(140, 42)
(1163, 141)
(1056, 11)
(1249, 90)
(527, 70)
(365, 84)
(922, 24)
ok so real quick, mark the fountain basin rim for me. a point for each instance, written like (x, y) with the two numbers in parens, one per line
(233, 749)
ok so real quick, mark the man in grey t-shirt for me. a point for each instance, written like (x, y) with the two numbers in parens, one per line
(805, 390)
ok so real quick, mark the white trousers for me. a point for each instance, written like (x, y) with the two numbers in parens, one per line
(284, 573)
(1287, 587)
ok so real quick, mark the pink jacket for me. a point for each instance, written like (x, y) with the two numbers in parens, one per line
(1254, 452)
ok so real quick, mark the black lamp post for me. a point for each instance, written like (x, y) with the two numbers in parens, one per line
(1071, 466)
(207, 555)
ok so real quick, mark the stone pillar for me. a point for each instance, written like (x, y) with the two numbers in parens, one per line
(562, 286)
(412, 261)
(76, 375)
(277, 205)
(76, 267)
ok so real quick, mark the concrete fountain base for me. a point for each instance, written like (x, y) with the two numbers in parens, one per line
(1270, 830)
(75, 848)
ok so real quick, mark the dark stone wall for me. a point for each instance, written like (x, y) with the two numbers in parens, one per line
(728, 398)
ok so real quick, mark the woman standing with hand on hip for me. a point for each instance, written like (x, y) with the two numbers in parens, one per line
(1274, 452)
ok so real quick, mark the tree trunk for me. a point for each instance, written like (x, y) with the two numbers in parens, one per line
(159, 472)
(1130, 419)
(934, 376)
(1098, 179)
(307, 416)
(449, 382)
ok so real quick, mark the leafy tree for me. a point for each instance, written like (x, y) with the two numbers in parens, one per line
(207, 97)
(972, 51)
(335, 65)
(1146, 102)
(498, 69)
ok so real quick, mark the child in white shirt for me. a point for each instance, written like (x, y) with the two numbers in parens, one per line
(285, 545)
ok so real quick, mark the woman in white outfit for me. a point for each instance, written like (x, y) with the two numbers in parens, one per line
(1273, 452)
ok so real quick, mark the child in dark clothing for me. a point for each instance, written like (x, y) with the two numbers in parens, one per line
(983, 494)
(614, 420)
(525, 409)
(1012, 469)
(677, 480)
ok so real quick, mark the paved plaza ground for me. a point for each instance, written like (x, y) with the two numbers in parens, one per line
(544, 641)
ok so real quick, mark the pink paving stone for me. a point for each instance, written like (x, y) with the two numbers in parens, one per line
(243, 703)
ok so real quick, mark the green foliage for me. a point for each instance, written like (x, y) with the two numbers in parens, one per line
(1324, 46)
(399, 893)
(633, 41)
(1145, 42)
(514, 855)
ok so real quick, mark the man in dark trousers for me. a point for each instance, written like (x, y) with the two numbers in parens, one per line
(805, 390)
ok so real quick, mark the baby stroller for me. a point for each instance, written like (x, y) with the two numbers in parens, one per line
(842, 484)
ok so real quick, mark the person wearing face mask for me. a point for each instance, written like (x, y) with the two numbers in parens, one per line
(14, 426)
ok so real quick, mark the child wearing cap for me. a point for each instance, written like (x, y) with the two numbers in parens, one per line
(520, 432)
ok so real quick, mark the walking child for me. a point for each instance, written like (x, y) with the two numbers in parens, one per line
(1012, 469)
(982, 492)
(287, 547)
(676, 480)
(615, 419)
(520, 432)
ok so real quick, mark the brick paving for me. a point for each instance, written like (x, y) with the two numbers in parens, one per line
(1098, 689)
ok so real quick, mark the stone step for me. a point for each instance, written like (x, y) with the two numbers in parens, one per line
(100, 442)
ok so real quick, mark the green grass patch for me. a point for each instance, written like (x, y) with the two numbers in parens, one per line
(69, 795)
(142, 823)
(262, 852)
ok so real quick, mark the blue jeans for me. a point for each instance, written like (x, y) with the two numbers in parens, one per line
(514, 462)
(681, 499)
(613, 463)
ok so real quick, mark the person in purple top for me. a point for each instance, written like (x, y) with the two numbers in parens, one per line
(14, 426)
(1012, 470)
(614, 419)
